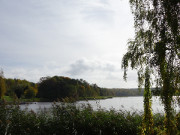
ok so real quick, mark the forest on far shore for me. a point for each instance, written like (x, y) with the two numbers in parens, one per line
(59, 87)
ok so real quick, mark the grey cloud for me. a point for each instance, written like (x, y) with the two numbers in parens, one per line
(82, 66)
(79, 67)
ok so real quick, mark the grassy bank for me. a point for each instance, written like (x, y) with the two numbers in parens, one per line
(22, 100)
(10, 99)
(95, 98)
(69, 120)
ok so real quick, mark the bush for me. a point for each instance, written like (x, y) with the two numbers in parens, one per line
(67, 119)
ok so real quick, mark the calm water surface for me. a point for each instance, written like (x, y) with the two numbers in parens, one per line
(118, 103)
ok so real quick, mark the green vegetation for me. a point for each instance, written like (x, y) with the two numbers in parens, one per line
(16, 88)
(120, 92)
(148, 122)
(8, 98)
(156, 46)
(21, 100)
(68, 119)
(94, 98)
(2, 84)
(58, 87)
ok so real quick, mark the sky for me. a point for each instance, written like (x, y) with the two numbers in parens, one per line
(73, 38)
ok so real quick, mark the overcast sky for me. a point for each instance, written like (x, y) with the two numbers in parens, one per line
(75, 38)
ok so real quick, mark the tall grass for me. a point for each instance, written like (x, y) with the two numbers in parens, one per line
(71, 120)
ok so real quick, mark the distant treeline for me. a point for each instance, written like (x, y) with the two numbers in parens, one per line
(119, 92)
(58, 87)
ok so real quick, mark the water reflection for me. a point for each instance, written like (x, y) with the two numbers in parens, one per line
(117, 103)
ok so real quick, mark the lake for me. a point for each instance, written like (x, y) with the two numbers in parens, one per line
(131, 104)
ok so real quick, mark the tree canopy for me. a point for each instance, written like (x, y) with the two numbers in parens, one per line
(20, 88)
(59, 87)
(156, 46)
